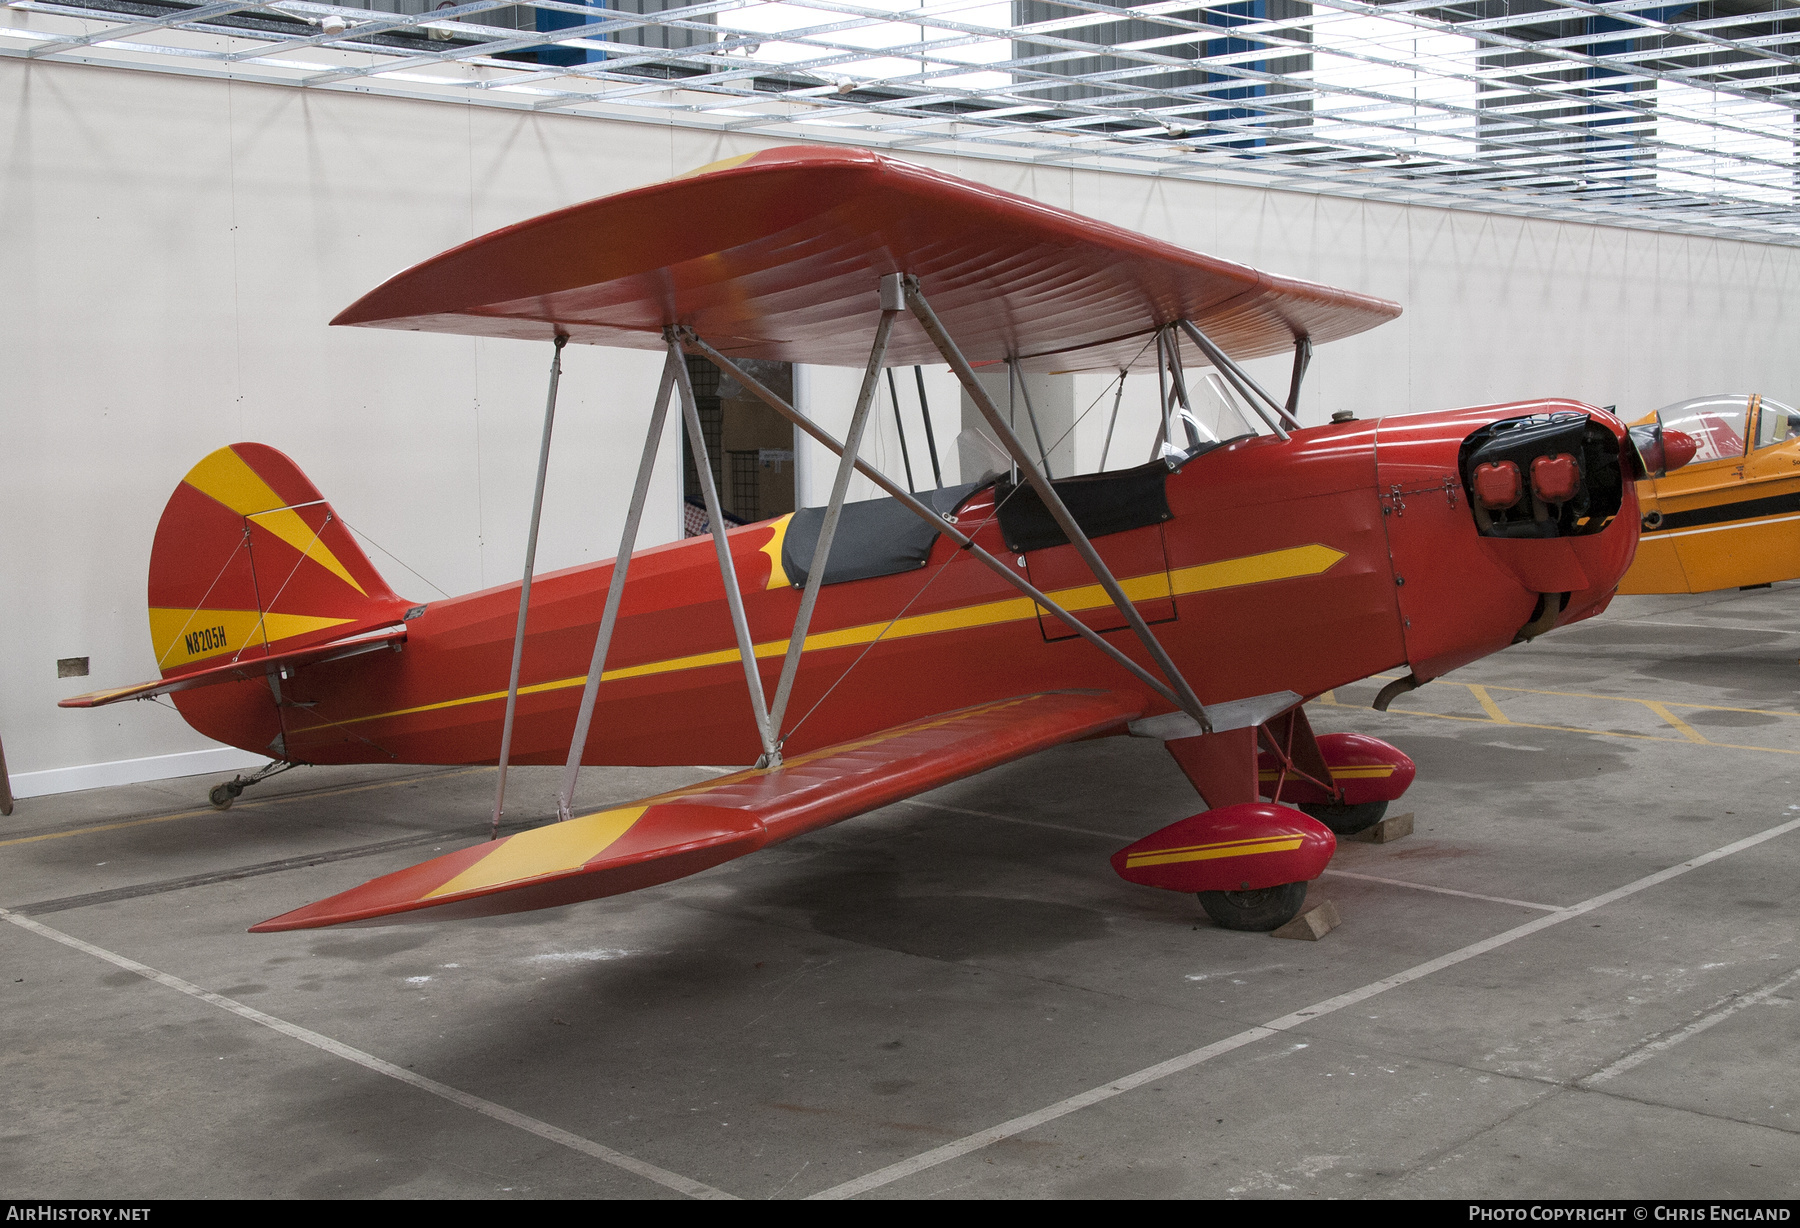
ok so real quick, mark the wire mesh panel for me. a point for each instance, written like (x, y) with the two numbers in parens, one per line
(705, 379)
(746, 481)
(1643, 113)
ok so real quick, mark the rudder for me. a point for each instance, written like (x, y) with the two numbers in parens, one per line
(249, 559)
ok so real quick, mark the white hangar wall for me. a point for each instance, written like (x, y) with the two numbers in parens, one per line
(172, 247)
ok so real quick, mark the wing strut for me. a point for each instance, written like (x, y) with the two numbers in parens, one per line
(900, 426)
(937, 474)
(734, 598)
(1114, 421)
(1240, 379)
(1177, 376)
(537, 508)
(1302, 360)
(1187, 700)
(1013, 372)
(615, 588)
(891, 306)
(912, 504)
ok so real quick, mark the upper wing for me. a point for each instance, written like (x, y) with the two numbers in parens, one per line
(680, 833)
(777, 255)
(250, 667)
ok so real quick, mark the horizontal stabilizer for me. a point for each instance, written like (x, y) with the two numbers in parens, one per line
(255, 667)
(688, 830)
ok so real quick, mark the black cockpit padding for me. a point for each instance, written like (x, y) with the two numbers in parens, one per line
(1101, 503)
(877, 537)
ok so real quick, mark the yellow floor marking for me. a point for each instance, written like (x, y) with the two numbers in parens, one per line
(266, 801)
(1599, 733)
(1629, 699)
(1487, 703)
(1687, 730)
(1621, 699)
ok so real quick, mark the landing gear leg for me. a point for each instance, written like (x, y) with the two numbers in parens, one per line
(222, 795)
(1264, 910)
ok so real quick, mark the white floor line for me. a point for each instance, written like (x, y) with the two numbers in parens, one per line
(1641, 1055)
(1114, 836)
(1062, 1108)
(1467, 895)
(531, 1125)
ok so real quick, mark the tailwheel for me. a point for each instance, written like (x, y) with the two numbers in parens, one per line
(1267, 909)
(1347, 820)
(222, 795)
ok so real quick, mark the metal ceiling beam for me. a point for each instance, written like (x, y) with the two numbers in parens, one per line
(1581, 130)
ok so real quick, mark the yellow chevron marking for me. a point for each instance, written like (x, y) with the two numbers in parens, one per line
(1371, 771)
(1209, 852)
(181, 637)
(1286, 564)
(226, 477)
(552, 849)
(778, 576)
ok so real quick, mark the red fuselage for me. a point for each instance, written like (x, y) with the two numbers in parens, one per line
(1303, 565)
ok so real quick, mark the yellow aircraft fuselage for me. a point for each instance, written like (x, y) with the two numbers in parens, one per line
(1730, 517)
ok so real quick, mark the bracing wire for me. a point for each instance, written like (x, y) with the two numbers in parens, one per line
(417, 575)
(932, 578)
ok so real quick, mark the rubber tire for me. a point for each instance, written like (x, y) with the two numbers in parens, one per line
(221, 797)
(1255, 911)
(1347, 820)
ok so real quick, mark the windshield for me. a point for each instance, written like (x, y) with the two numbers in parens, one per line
(1778, 424)
(1211, 417)
(1715, 423)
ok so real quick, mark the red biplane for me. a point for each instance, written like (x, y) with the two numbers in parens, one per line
(1199, 599)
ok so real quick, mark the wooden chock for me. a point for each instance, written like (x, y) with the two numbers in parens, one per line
(1311, 925)
(1387, 831)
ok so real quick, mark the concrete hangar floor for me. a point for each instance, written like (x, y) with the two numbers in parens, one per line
(1576, 978)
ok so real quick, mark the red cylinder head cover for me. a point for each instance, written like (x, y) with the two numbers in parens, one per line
(1556, 479)
(1498, 486)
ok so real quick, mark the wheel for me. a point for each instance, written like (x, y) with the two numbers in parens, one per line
(1347, 820)
(1268, 909)
(221, 797)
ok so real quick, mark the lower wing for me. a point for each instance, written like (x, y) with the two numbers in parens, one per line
(688, 830)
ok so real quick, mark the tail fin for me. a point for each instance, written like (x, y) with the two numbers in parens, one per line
(250, 560)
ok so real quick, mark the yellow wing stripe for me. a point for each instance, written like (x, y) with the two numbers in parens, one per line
(226, 477)
(553, 849)
(561, 847)
(1292, 563)
(1209, 852)
(1373, 771)
(181, 637)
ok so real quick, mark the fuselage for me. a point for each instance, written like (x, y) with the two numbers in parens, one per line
(1343, 552)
